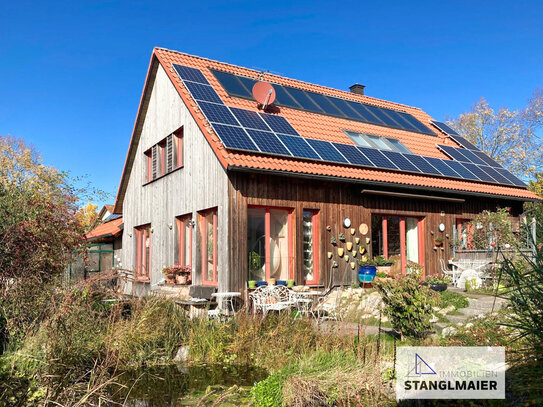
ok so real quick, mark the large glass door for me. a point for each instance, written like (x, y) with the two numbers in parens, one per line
(398, 238)
(268, 243)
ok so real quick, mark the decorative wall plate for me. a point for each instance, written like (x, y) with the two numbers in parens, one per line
(363, 229)
(346, 222)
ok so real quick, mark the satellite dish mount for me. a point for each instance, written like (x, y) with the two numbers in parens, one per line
(264, 94)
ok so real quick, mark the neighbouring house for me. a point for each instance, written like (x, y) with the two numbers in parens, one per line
(244, 189)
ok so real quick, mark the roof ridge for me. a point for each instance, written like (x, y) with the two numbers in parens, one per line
(357, 98)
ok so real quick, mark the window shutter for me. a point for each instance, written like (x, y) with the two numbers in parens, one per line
(169, 152)
(155, 161)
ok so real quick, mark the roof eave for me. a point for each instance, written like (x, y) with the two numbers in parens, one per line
(380, 183)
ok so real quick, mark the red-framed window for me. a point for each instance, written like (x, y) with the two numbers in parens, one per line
(184, 231)
(208, 238)
(398, 237)
(463, 233)
(310, 246)
(269, 243)
(143, 252)
(165, 156)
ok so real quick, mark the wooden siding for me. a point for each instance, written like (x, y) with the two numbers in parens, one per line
(335, 201)
(199, 185)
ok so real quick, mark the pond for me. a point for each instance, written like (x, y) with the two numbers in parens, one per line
(179, 385)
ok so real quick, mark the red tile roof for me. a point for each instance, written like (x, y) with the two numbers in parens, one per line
(323, 127)
(111, 228)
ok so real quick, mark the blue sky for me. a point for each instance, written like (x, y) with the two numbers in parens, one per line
(71, 73)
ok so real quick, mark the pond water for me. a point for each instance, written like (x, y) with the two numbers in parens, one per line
(179, 385)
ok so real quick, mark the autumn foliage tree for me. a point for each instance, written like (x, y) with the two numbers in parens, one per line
(508, 136)
(38, 228)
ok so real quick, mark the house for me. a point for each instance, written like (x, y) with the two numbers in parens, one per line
(244, 189)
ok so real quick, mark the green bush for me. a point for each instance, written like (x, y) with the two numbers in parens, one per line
(408, 304)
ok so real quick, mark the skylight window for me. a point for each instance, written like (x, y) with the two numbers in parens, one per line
(380, 143)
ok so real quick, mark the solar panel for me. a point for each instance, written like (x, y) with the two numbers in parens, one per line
(400, 161)
(401, 120)
(283, 98)
(190, 74)
(382, 116)
(423, 165)
(419, 125)
(326, 150)
(268, 142)
(472, 157)
(454, 153)
(464, 143)
(218, 113)
(303, 100)
(346, 107)
(495, 174)
(203, 92)
(442, 167)
(461, 170)
(298, 147)
(487, 159)
(444, 128)
(231, 84)
(479, 172)
(377, 158)
(353, 155)
(516, 181)
(249, 119)
(279, 124)
(325, 104)
(234, 137)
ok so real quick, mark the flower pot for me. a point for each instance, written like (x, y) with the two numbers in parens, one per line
(281, 282)
(438, 287)
(384, 269)
(438, 243)
(170, 278)
(181, 279)
(349, 246)
(261, 283)
(366, 274)
(251, 284)
(329, 255)
(290, 283)
(271, 281)
(340, 252)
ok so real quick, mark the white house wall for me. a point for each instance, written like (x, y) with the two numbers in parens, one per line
(199, 185)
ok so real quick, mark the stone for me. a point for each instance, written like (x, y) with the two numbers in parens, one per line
(435, 308)
(446, 310)
(469, 325)
(434, 319)
(182, 354)
(448, 331)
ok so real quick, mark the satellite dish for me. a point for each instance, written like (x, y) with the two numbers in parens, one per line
(264, 93)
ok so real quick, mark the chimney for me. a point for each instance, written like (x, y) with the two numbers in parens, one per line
(357, 88)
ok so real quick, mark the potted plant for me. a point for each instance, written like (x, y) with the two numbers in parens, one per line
(437, 283)
(290, 283)
(438, 241)
(169, 274)
(181, 274)
(367, 271)
(384, 265)
(252, 284)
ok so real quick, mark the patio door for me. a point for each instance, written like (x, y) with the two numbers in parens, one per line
(398, 238)
(269, 243)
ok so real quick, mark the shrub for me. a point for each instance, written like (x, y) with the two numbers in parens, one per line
(408, 304)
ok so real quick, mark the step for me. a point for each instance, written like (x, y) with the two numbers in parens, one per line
(440, 325)
(487, 303)
(473, 312)
(454, 319)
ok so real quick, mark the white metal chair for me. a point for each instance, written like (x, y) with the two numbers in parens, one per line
(272, 298)
(451, 273)
(331, 309)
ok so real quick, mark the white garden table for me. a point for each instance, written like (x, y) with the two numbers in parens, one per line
(228, 299)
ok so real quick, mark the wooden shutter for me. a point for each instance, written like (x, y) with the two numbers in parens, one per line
(169, 153)
(154, 160)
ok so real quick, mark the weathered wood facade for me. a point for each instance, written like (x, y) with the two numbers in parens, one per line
(336, 200)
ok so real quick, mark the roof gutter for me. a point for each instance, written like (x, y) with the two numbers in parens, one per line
(379, 183)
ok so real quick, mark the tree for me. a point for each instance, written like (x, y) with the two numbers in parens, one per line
(38, 228)
(87, 217)
(508, 136)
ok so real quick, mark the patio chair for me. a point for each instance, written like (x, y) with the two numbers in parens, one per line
(446, 271)
(333, 310)
(272, 298)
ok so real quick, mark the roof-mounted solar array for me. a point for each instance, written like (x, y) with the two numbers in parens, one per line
(258, 132)
(287, 96)
(454, 135)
